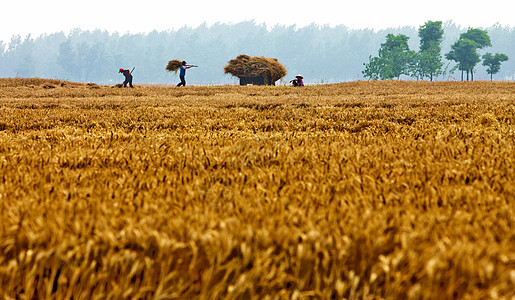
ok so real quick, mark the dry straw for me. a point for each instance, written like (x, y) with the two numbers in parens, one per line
(173, 65)
(256, 66)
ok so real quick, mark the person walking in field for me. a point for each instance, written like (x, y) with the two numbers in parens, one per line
(182, 73)
(297, 81)
(128, 77)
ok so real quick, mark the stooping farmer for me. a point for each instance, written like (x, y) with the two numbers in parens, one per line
(182, 73)
(297, 81)
(128, 77)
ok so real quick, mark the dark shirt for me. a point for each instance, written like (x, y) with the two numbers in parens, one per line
(126, 73)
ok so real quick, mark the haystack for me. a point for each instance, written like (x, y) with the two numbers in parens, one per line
(174, 65)
(251, 69)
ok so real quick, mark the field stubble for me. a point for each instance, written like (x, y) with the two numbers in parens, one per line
(363, 190)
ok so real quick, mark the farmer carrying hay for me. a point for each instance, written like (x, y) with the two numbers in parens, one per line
(256, 70)
(176, 65)
(128, 77)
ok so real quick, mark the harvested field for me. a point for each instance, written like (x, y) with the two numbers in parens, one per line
(363, 190)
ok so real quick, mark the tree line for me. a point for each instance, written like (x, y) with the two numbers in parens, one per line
(395, 57)
(320, 53)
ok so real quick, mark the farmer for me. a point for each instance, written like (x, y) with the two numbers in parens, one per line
(182, 73)
(128, 77)
(297, 81)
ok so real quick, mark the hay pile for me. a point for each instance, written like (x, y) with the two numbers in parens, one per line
(174, 65)
(246, 66)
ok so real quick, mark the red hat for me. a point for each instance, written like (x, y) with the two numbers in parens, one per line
(121, 70)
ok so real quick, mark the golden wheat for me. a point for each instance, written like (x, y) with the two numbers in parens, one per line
(363, 190)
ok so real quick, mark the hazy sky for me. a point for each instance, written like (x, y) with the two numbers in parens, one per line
(38, 17)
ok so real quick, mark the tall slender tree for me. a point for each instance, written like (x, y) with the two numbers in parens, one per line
(429, 63)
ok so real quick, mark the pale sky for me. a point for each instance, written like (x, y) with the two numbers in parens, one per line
(129, 16)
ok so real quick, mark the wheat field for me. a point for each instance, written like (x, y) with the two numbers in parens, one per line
(361, 190)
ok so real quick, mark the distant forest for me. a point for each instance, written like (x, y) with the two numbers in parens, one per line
(322, 54)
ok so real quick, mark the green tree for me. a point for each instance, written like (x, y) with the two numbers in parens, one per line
(394, 60)
(493, 62)
(482, 40)
(479, 36)
(463, 52)
(374, 68)
(429, 61)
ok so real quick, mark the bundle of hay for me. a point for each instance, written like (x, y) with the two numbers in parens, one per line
(246, 66)
(174, 65)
